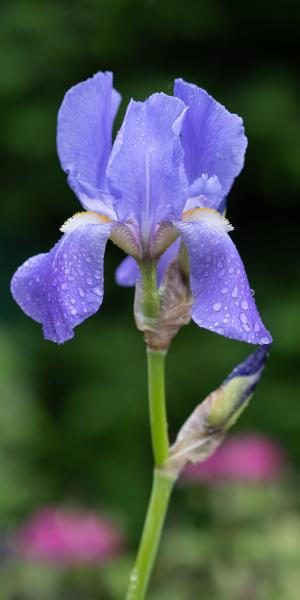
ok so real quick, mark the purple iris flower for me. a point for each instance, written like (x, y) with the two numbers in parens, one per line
(163, 182)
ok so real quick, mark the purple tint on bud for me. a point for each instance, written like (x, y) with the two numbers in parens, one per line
(251, 365)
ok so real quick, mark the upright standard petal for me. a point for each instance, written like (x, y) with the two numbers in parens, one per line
(213, 138)
(146, 172)
(223, 300)
(205, 192)
(84, 134)
(62, 288)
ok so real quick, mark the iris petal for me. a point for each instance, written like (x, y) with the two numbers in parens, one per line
(145, 171)
(84, 135)
(64, 287)
(223, 300)
(213, 138)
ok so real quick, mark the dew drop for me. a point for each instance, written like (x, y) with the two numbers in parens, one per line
(264, 340)
(231, 270)
(244, 305)
(81, 293)
(246, 327)
(224, 290)
(243, 318)
(73, 311)
(234, 292)
(256, 327)
(217, 306)
(97, 291)
(73, 301)
(89, 281)
(63, 286)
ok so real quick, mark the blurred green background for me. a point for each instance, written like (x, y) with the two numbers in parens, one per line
(73, 419)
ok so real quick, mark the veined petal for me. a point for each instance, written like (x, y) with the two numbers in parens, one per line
(213, 138)
(84, 133)
(145, 171)
(62, 288)
(223, 301)
(128, 271)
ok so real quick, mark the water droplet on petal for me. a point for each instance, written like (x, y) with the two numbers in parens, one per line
(234, 292)
(97, 291)
(81, 293)
(217, 306)
(224, 290)
(243, 318)
(231, 270)
(264, 340)
(89, 281)
(73, 311)
(244, 305)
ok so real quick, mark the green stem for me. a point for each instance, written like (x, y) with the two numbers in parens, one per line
(162, 481)
(160, 496)
(151, 303)
(157, 406)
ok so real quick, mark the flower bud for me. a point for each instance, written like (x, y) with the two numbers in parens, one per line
(206, 428)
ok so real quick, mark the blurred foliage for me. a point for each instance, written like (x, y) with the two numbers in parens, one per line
(73, 419)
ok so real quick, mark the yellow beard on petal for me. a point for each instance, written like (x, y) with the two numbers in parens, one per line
(207, 215)
(87, 217)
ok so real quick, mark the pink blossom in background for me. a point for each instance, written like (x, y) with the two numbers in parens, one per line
(251, 458)
(67, 536)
